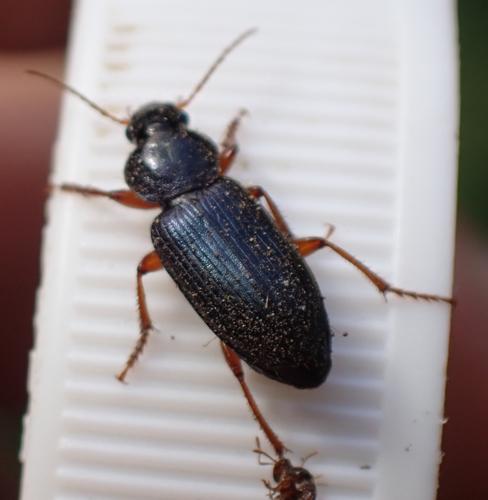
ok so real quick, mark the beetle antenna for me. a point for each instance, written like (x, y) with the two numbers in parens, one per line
(215, 65)
(70, 89)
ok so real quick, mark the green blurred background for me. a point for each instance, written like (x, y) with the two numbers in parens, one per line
(33, 34)
(473, 151)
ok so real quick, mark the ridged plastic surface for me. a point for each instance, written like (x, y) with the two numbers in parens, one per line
(352, 120)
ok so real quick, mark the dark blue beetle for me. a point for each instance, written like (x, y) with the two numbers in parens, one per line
(236, 263)
(242, 275)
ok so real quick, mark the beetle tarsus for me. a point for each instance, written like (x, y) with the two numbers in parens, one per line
(149, 263)
(307, 246)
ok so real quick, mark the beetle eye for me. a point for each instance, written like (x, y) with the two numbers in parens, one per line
(184, 117)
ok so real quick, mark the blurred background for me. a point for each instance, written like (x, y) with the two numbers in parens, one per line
(29, 113)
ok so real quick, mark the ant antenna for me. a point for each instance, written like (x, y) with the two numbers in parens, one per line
(215, 65)
(64, 86)
(259, 451)
(310, 455)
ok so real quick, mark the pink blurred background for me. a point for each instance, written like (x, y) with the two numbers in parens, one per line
(29, 113)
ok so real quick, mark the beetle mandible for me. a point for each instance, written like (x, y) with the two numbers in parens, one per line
(238, 264)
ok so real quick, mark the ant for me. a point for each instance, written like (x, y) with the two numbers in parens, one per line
(292, 483)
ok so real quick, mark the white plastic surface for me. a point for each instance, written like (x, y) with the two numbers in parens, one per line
(353, 121)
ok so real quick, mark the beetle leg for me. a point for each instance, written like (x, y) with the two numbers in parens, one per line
(229, 147)
(122, 196)
(307, 246)
(235, 365)
(148, 264)
(259, 192)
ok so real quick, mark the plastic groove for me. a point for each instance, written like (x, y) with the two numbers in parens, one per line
(124, 484)
(198, 432)
(147, 457)
(95, 369)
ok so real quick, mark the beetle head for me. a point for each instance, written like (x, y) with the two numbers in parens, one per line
(152, 118)
(169, 159)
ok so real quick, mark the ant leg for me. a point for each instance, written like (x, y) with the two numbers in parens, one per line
(148, 264)
(229, 147)
(122, 196)
(307, 246)
(235, 365)
(258, 192)
(272, 491)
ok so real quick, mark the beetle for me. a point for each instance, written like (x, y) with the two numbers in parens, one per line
(236, 262)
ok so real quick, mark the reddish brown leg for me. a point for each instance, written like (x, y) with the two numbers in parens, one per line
(229, 147)
(148, 264)
(122, 196)
(259, 192)
(306, 246)
(236, 366)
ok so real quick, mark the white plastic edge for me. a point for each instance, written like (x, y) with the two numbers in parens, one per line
(410, 459)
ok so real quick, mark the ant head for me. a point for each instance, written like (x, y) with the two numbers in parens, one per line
(281, 469)
(153, 118)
